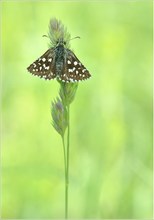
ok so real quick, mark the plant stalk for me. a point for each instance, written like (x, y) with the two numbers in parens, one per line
(68, 144)
(65, 165)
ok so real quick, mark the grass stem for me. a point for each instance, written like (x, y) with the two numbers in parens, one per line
(66, 189)
(68, 144)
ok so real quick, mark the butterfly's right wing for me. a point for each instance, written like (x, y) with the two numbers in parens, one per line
(44, 66)
(74, 70)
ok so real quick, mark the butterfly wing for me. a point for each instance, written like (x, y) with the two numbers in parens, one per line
(44, 66)
(74, 70)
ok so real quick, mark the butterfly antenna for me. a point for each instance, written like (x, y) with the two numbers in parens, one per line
(75, 38)
(45, 36)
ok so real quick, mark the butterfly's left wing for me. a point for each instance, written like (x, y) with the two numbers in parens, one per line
(44, 66)
(74, 70)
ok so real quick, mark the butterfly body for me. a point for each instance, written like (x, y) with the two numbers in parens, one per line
(61, 63)
(59, 59)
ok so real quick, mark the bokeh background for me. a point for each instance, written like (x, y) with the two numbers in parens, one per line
(111, 117)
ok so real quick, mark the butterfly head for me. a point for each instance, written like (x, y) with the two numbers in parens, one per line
(61, 42)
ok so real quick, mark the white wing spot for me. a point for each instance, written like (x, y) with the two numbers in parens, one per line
(70, 70)
(68, 61)
(50, 60)
(77, 71)
(75, 63)
(40, 67)
(43, 59)
(83, 70)
(47, 68)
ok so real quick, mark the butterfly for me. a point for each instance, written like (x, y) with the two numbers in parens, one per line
(61, 63)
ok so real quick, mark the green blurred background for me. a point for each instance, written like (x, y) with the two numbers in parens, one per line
(111, 117)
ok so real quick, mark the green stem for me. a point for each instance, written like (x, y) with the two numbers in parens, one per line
(68, 144)
(65, 165)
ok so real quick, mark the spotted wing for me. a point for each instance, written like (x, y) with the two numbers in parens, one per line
(74, 70)
(44, 66)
